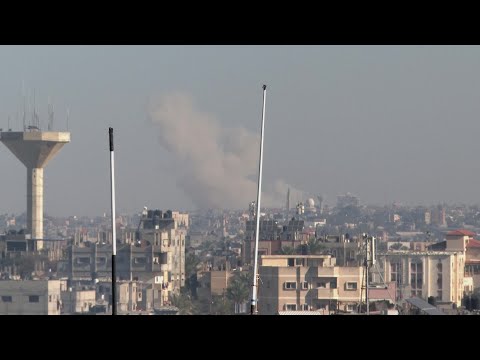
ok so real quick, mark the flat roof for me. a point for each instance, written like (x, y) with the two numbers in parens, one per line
(424, 306)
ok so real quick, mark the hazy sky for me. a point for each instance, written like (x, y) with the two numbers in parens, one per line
(387, 123)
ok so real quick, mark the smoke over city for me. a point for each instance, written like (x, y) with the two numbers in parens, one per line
(216, 166)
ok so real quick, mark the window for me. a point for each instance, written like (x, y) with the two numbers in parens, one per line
(299, 262)
(290, 307)
(322, 285)
(49, 298)
(140, 260)
(416, 278)
(83, 261)
(291, 262)
(439, 280)
(34, 299)
(305, 307)
(156, 260)
(304, 285)
(396, 271)
(350, 307)
(139, 296)
(351, 285)
(290, 285)
(101, 260)
(351, 255)
(7, 299)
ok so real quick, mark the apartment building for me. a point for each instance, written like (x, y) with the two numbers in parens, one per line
(307, 283)
(30, 297)
(424, 274)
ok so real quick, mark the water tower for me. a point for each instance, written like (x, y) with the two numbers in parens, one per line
(35, 148)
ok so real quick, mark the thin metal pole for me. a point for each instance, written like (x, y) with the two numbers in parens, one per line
(253, 307)
(114, 235)
(366, 275)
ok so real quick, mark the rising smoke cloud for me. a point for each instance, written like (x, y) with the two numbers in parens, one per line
(214, 165)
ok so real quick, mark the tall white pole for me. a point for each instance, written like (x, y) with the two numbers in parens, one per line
(253, 307)
(114, 235)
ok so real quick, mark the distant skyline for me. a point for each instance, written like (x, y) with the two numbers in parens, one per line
(386, 123)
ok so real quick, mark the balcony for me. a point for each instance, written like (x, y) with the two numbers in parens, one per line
(324, 293)
(327, 271)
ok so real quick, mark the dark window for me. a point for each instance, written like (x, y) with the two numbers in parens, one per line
(291, 262)
(34, 298)
(7, 299)
(416, 278)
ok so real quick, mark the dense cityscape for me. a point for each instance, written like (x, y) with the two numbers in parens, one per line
(362, 205)
(200, 262)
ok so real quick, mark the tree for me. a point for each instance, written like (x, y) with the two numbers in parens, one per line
(312, 247)
(221, 306)
(183, 302)
(238, 290)
(287, 250)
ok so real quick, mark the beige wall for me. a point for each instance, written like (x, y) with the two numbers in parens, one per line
(78, 301)
(452, 274)
(24, 293)
(307, 287)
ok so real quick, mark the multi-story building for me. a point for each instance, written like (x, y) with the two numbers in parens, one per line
(31, 297)
(345, 250)
(424, 274)
(77, 301)
(134, 296)
(307, 282)
(158, 252)
(272, 238)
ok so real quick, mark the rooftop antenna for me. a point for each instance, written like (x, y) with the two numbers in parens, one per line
(253, 307)
(288, 204)
(50, 115)
(8, 124)
(24, 106)
(68, 116)
(34, 113)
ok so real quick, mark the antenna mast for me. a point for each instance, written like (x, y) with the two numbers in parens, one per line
(50, 115)
(114, 237)
(253, 307)
(24, 106)
(68, 115)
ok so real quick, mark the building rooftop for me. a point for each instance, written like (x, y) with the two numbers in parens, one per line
(472, 243)
(424, 306)
(418, 253)
(461, 232)
(300, 312)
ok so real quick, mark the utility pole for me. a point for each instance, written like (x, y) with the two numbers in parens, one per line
(253, 307)
(114, 237)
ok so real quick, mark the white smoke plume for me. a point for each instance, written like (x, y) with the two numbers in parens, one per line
(214, 165)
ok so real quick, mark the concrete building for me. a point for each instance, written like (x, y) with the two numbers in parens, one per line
(30, 297)
(345, 250)
(272, 238)
(34, 149)
(307, 282)
(77, 301)
(213, 283)
(423, 274)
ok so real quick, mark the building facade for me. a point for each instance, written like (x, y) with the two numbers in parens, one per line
(307, 282)
(438, 274)
(30, 297)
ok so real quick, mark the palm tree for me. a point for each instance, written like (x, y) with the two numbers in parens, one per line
(183, 302)
(287, 250)
(238, 290)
